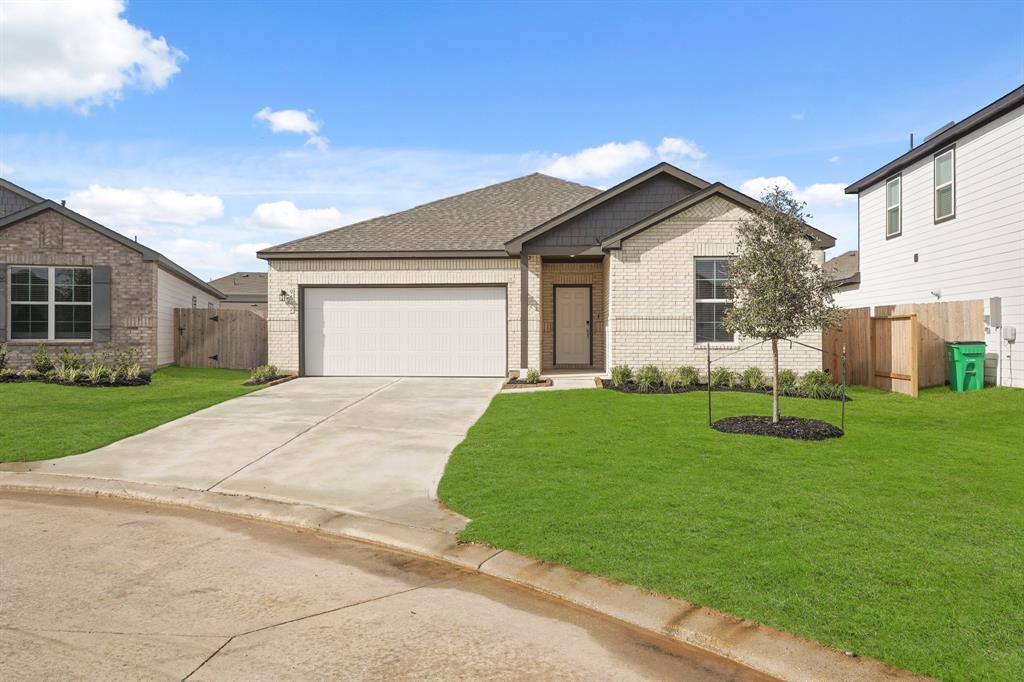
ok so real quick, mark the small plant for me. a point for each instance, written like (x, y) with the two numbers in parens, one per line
(787, 381)
(722, 376)
(114, 375)
(647, 378)
(31, 374)
(672, 379)
(689, 375)
(126, 362)
(3, 356)
(73, 375)
(67, 361)
(621, 374)
(41, 361)
(262, 374)
(7, 374)
(754, 378)
(817, 384)
(533, 376)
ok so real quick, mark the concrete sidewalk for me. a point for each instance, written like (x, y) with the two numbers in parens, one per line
(373, 446)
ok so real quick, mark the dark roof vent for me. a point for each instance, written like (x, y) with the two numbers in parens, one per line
(940, 130)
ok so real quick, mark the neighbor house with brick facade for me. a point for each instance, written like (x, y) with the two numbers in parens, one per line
(68, 282)
(535, 272)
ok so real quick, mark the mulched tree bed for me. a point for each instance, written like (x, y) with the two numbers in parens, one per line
(787, 427)
(516, 382)
(632, 387)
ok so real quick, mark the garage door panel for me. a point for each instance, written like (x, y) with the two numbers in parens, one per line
(429, 331)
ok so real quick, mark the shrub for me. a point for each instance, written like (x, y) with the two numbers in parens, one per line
(672, 379)
(262, 374)
(721, 376)
(689, 375)
(126, 363)
(31, 374)
(41, 360)
(67, 361)
(621, 374)
(787, 381)
(7, 374)
(817, 384)
(3, 356)
(532, 376)
(754, 378)
(647, 377)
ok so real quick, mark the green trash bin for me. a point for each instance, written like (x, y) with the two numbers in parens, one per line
(966, 365)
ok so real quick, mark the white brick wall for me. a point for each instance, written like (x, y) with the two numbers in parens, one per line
(287, 275)
(651, 295)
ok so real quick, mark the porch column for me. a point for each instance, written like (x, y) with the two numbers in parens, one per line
(524, 313)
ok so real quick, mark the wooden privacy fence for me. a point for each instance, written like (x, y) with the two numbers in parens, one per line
(902, 347)
(235, 339)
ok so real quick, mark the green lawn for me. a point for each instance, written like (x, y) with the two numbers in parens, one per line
(903, 540)
(41, 421)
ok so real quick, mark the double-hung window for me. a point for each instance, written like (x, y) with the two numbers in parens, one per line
(945, 185)
(893, 210)
(50, 303)
(713, 299)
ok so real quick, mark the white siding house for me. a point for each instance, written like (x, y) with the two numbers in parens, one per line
(945, 222)
(174, 292)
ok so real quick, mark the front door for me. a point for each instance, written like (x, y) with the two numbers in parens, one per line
(572, 325)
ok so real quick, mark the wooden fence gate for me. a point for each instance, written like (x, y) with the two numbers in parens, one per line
(234, 339)
(902, 347)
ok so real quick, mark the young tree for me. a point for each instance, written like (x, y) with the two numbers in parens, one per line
(779, 290)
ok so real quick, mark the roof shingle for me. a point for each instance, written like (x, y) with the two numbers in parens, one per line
(479, 220)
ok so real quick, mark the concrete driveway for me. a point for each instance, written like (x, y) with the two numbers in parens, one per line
(372, 446)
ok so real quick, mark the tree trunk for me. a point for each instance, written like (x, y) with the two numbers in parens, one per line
(775, 383)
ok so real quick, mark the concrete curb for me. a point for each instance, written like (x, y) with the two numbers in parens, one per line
(762, 648)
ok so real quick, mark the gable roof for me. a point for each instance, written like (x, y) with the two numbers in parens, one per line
(821, 239)
(243, 286)
(147, 253)
(514, 246)
(20, 191)
(844, 268)
(478, 222)
(943, 138)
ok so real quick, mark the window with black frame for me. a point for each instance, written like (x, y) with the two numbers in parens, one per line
(713, 298)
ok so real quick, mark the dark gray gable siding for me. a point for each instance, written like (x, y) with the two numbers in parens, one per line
(12, 202)
(607, 218)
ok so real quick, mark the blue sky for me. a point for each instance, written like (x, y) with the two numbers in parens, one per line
(148, 118)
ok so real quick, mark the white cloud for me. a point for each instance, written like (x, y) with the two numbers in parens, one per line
(285, 216)
(833, 159)
(678, 148)
(798, 116)
(78, 54)
(294, 121)
(831, 210)
(119, 208)
(598, 162)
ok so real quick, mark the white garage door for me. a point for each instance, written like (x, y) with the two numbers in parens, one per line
(415, 331)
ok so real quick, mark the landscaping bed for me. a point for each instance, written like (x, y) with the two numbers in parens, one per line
(897, 541)
(633, 387)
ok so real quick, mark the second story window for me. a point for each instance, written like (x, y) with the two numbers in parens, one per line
(893, 219)
(945, 186)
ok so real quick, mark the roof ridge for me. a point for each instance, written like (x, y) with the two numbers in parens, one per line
(335, 230)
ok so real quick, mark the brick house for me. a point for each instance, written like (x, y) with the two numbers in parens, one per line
(69, 282)
(535, 272)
